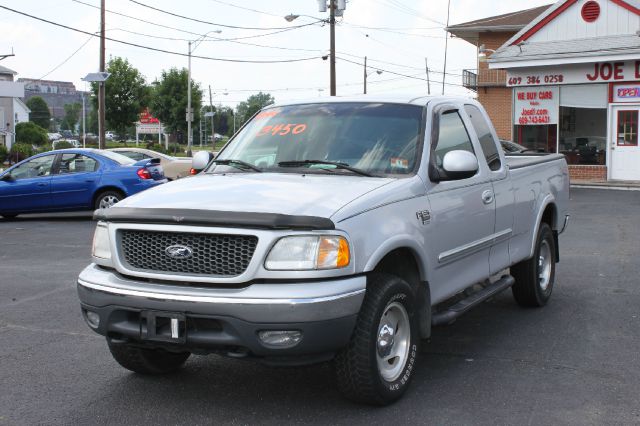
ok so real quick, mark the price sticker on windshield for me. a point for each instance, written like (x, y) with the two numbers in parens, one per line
(283, 129)
(267, 114)
(400, 163)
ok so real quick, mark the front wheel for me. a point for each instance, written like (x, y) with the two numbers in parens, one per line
(377, 366)
(107, 199)
(147, 361)
(535, 277)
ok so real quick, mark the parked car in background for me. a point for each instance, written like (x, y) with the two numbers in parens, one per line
(174, 167)
(74, 179)
(74, 142)
(54, 136)
(110, 136)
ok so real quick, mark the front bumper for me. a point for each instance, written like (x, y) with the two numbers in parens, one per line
(226, 319)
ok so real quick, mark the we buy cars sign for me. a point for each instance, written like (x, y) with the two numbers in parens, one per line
(536, 105)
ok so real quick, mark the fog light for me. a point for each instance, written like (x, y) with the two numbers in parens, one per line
(93, 319)
(280, 338)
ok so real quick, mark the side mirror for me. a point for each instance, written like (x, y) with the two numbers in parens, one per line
(200, 160)
(459, 165)
(7, 178)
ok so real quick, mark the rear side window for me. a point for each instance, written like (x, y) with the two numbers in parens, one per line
(487, 142)
(452, 136)
(76, 163)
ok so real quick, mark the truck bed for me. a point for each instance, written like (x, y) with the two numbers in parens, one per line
(518, 161)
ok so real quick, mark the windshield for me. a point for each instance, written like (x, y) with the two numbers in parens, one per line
(376, 138)
(118, 158)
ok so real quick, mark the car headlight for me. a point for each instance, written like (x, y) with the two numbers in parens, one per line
(101, 247)
(303, 253)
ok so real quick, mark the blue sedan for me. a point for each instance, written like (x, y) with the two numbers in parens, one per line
(74, 179)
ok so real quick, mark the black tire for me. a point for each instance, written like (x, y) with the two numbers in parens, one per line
(107, 196)
(147, 361)
(534, 283)
(358, 374)
(7, 216)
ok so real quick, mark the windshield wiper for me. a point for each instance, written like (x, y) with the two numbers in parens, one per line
(238, 164)
(338, 165)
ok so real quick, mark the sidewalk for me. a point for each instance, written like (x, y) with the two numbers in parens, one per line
(626, 185)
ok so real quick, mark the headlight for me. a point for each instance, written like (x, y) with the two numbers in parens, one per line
(307, 252)
(101, 247)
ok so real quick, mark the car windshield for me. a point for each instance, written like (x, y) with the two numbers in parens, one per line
(375, 138)
(118, 158)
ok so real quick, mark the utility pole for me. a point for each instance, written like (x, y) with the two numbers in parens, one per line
(84, 131)
(365, 75)
(426, 65)
(446, 44)
(332, 43)
(101, 94)
(213, 132)
(189, 109)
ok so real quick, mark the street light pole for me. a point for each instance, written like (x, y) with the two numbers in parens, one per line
(189, 109)
(365, 75)
(84, 131)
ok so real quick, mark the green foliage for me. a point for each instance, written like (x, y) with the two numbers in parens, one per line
(39, 111)
(169, 100)
(4, 153)
(253, 104)
(20, 151)
(222, 120)
(71, 115)
(31, 134)
(63, 145)
(126, 95)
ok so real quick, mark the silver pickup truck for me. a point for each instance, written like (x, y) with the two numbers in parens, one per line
(339, 229)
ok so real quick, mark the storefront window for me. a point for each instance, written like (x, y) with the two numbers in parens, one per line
(541, 138)
(628, 128)
(583, 135)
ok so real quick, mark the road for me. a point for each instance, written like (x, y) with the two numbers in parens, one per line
(576, 361)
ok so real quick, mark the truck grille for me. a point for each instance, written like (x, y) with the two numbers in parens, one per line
(188, 253)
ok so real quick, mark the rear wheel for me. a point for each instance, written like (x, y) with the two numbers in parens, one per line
(377, 366)
(147, 361)
(535, 277)
(107, 199)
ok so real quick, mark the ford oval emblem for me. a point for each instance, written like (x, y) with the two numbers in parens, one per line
(179, 252)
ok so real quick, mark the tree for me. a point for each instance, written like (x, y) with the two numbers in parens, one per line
(126, 95)
(222, 120)
(253, 104)
(169, 100)
(39, 111)
(71, 115)
(30, 133)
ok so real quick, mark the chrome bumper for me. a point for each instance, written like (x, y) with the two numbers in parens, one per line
(273, 302)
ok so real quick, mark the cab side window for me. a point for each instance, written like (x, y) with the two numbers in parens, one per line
(487, 142)
(76, 163)
(37, 167)
(452, 136)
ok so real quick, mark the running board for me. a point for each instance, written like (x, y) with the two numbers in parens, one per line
(453, 312)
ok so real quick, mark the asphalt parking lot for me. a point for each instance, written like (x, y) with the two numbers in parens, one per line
(576, 361)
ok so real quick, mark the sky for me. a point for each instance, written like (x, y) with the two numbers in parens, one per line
(395, 35)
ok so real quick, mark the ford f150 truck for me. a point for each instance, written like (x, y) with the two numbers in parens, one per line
(339, 229)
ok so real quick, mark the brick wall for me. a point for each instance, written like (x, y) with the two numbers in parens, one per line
(591, 173)
(496, 100)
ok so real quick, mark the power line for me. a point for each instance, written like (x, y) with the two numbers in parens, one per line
(166, 12)
(69, 58)
(155, 49)
(247, 8)
(113, 12)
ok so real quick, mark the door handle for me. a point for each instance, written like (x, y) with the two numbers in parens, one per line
(42, 184)
(487, 197)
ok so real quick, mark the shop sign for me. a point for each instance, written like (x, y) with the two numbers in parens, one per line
(536, 106)
(626, 93)
(601, 72)
(143, 128)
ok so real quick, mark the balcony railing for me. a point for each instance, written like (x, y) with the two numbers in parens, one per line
(472, 79)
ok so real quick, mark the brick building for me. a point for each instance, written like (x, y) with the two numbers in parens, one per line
(574, 76)
(491, 85)
(55, 93)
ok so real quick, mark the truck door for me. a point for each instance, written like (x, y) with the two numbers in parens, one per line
(460, 234)
(503, 193)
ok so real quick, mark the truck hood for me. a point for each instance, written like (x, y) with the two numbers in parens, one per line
(282, 193)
